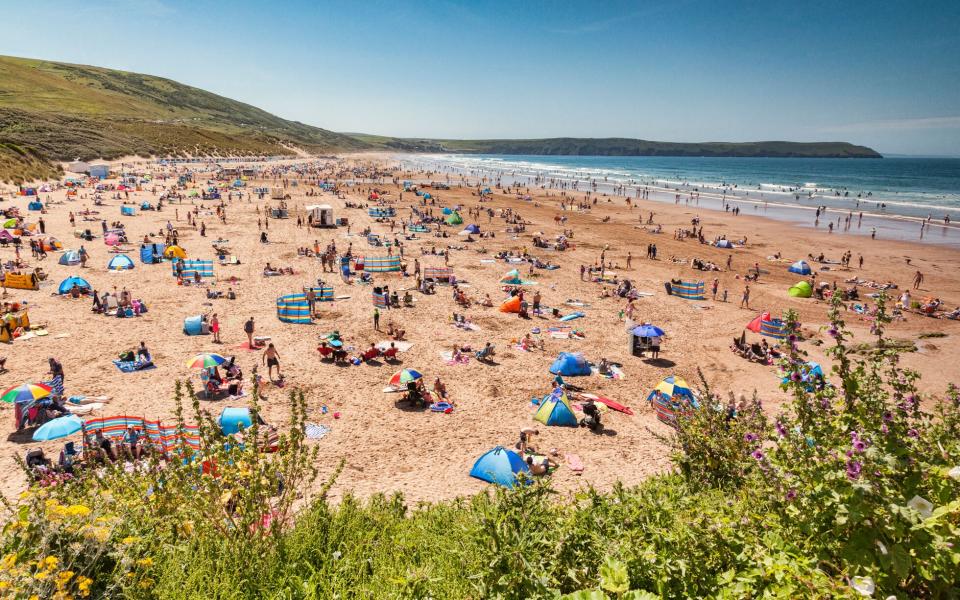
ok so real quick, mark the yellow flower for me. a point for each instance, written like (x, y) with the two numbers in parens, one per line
(145, 562)
(8, 561)
(4, 585)
(64, 577)
(51, 561)
(78, 510)
(130, 539)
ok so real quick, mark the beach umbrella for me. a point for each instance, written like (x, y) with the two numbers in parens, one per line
(205, 361)
(404, 377)
(647, 330)
(58, 428)
(26, 392)
(672, 386)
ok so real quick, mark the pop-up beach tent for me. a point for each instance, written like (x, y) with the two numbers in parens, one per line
(801, 289)
(725, 244)
(195, 325)
(70, 258)
(511, 305)
(232, 419)
(501, 466)
(67, 284)
(474, 229)
(151, 253)
(800, 268)
(120, 262)
(570, 365)
(454, 219)
(512, 277)
(555, 409)
(174, 252)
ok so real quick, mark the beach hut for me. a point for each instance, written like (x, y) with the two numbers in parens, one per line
(67, 284)
(502, 467)
(801, 289)
(120, 262)
(800, 268)
(195, 325)
(570, 365)
(233, 419)
(70, 258)
(555, 410)
(672, 397)
(688, 290)
(320, 215)
(151, 253)
(294, 308)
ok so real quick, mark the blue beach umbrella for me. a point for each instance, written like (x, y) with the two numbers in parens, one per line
(647, 330)
(58, 428)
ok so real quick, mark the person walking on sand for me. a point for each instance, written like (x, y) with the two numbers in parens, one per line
(917, 280)
(629, 259)
(271, 358)
(716, 286)
(215, 328)
(745, 299)
(376, 319)
(729, 261)
(248, 329)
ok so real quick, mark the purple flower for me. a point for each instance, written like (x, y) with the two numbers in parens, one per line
(757, 455)
(913, 433)
(833, 332)
(791, 495)
(853, 469)
(781, 429)
(888, 416)
(884, 429)
(794, 376)
(749, 437)
(859, 446)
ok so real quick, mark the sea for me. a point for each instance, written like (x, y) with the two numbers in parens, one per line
(914, 199)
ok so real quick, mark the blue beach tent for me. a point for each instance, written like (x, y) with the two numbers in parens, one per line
(800, 268)
(556, 410)
(231, 419)
(500, 466)
(570, 365)
(120, 262)
(67, 284)
(69, 258)
(194, 325)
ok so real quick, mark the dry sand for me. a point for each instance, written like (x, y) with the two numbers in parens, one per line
(426, 455)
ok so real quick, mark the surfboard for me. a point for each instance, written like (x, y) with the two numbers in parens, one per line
(612, 404)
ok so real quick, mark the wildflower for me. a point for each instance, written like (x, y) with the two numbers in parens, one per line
(749, 437)
(791, 495)
(922, 506)
(8, 561)
(781, 429)
(853, 469)
(130, 539)
(888, 416)
(145, 562)
(51, 562)
(913, 433)
(833, 332)
(863, 585)
(859, 446)
(757, 454)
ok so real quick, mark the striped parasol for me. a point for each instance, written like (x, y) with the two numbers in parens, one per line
(27, 392)
(404, 377)
(205, 361)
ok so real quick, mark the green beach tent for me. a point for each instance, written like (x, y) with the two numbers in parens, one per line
(802, 289)
(455, 219)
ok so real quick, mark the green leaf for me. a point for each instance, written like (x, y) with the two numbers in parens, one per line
(613, 576)
(585, 595)
(900, 560)
(639, 595)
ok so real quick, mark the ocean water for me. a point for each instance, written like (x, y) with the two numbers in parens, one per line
(894, 194)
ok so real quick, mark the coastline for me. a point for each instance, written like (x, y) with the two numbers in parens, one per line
(711, 196)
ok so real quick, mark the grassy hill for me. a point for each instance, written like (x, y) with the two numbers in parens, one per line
(623, 147)
(53, 111)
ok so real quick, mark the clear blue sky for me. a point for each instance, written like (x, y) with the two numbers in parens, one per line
(884, 73)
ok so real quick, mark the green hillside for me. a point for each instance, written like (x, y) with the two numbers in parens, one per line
(53, 111)
(624, 147)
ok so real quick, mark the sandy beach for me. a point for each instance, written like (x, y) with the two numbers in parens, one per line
(427, 455)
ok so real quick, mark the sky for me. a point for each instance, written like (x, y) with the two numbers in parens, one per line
(883, 73)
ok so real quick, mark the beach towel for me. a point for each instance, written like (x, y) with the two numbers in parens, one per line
(314, 431)
(129, 366)
(447, 356)
(574, 462)
(400, 346)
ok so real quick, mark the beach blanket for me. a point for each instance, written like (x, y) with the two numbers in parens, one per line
(129, 366)
(83, 409)
(314, 431)
(447, 356)
(400, 346)
(615, 372)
